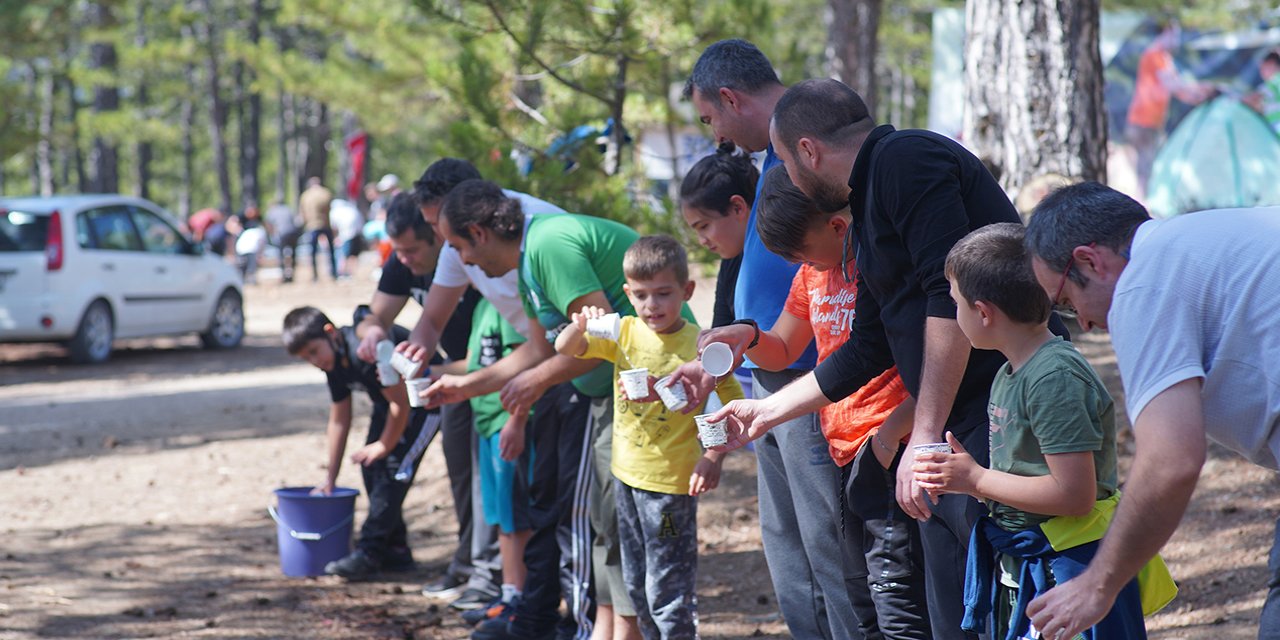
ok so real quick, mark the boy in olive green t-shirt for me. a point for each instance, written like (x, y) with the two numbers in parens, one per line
(1053, 444)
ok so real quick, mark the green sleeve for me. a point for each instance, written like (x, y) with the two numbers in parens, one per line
(562, 267)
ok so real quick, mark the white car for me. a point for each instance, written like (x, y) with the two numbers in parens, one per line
(87, 269)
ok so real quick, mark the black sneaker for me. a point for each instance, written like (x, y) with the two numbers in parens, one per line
(472, 599)
(500, 629)
(398, 560)
(357, 566)
(496, 609)
(446, 586)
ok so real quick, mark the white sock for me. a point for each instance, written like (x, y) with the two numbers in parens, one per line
(510, 592)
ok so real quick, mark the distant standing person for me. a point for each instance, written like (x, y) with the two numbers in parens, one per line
(284, 228)
(1266, 100)
(1158, 80)
(313, 206)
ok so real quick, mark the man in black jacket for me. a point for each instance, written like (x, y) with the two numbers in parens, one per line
(912, 195)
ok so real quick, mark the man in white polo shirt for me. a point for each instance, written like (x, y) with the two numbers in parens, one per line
(1193, 307)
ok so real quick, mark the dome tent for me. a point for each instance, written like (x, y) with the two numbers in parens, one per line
(1222, 155)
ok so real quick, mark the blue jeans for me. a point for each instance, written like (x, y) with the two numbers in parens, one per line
(313, 239)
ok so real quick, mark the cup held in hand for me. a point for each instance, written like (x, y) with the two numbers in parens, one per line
(408, 368)
(387, 374)
(635, 382)
(415, 388)
(717, 359)
(712, 434)
(926, 449)
(673, 396)
(606, 326)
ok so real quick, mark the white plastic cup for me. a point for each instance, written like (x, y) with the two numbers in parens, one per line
(387, 374)
(636, 383)
(606, 326)
(386, 349)
(415, 387)
(712, 434)
(717, 359)
(673, 396)
(926, 449)
(408, 368)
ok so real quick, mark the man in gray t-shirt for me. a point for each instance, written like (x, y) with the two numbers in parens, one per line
(1193, 307)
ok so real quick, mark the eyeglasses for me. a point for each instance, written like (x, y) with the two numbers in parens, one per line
(1062, 284)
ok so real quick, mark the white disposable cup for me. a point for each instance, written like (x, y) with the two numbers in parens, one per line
(415, 388)
(926, 449)
(636, 383)
(408, 368)
(712, 434)
(717, 359)
(606, 326)
(386, 349)
(387, 374)
(673, 396)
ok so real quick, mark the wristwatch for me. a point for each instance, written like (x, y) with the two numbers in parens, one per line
(751, 323)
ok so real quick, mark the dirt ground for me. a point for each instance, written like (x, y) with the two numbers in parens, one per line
(134, 503)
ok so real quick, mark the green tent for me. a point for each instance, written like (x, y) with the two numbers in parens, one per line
(1222, 155)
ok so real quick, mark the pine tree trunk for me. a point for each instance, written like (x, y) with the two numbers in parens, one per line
(44, 148)
(852, 26)
(143, 148)
(208, 35)
(1034, 102)
(284, 134)
(250, 118)
(188, 125)
(313, 153)
(75, 159)
(106, 99)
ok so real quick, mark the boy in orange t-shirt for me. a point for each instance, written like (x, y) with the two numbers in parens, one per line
(864, 430)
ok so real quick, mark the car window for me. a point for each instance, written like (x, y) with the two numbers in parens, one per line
(157, 235)
(112, 230)
(84, 235)
(22, 231)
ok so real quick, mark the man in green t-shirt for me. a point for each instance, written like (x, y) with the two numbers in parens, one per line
(565, 263)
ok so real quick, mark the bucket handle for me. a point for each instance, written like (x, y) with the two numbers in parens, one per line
(304, 535)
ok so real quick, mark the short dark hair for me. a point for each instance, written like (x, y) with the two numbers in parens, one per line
(1273, 57)
(1081, 214)
(651, 255)
(483, 203)
(718, 177)
(302, 325)
(822, 109)
(990, 265)
(784, 215)
(440, 178)
(733, 64)
(403, 215)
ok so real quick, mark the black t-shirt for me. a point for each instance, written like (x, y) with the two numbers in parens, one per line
(398, 280)
(726, 281)
(350, 373)
(914, 195)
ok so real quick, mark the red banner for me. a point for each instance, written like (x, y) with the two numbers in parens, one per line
(357, 150)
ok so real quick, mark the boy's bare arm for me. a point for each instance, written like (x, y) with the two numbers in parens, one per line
(397, 418)
(336, 441)
(1070, 489)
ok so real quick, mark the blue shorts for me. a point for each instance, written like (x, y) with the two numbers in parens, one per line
(503, 491)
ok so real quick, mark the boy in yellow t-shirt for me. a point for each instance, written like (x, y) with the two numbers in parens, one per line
(658, 466)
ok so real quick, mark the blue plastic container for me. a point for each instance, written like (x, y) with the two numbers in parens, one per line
(312, 530)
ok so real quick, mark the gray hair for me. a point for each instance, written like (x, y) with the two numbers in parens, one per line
(732, 64)
(1079, 215)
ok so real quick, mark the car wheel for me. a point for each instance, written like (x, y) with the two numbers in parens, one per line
(226, 327)
(92, 342)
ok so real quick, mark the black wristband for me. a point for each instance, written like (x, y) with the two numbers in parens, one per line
(751, 323)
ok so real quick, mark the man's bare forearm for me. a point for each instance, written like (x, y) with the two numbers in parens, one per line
(946, 355)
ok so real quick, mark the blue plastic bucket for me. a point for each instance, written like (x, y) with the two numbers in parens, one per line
(312, 530)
